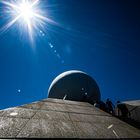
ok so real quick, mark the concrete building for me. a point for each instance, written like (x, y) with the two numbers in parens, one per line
(134, 109)
(57, 118)
(70, 115)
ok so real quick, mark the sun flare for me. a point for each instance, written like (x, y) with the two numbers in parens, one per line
(27, 13)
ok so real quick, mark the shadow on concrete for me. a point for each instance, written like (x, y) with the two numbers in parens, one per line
(130, 121)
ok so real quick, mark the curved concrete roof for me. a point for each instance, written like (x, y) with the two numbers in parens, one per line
(73, 85)
(133, 103)
(55, 118)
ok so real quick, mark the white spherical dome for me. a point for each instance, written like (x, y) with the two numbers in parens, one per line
(74, 85)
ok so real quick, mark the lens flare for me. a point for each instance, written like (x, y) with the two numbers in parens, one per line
(27, 13)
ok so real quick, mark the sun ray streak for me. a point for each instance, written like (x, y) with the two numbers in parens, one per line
(45, 19)
(10, 5)
(35, 3)
(30, 31)
(7, 26)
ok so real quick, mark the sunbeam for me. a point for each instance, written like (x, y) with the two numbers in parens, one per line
(28, 14)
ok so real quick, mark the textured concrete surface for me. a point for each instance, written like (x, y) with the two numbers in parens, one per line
(55, 118)
(134, 109)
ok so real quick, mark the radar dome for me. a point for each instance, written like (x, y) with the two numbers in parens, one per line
(76, 86)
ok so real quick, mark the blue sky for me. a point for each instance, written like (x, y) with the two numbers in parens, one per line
(100, 37)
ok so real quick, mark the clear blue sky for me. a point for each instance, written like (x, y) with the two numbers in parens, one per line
(100, 37)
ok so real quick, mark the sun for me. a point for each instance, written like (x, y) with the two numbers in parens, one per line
(27, 13)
